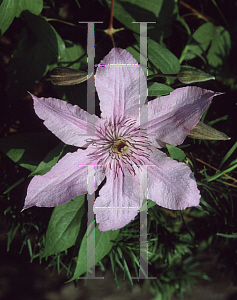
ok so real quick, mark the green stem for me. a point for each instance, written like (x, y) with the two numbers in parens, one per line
(161, 75)
(111, 15)
(67, 23)
(182, 57)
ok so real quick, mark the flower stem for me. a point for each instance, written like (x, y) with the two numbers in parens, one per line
(111, 29)
(111, 15)
(161, 75)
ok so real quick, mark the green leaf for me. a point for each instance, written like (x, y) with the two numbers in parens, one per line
(13, 8)
(64, 226)
(134, 51)
(72, 53)
(215, 39)
(35, 7)
(28, 149)
(147, 204)
(201, 39)
(27, 65)
(176, 153)
(228, 236)
(219, 174)
(228, 154)
(14, 185)
(29, 62)
(46, 35)
(220, 46)
(102, 244)
(166, 61)
(162, 58)
(49, 161)
(159, 12)
(128, 12)
(71, 59)
(8, 10)
(158, 89)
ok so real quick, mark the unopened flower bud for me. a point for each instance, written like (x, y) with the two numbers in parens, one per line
(206, 132)
(67, 76)
(189, 75)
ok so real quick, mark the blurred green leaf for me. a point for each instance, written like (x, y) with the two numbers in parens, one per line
(147, 204)
(219, 174)
(28, 64)
(14, 185)
(134, 51)
(220, 46)
(8, 10)
(46, 35)
(102, 244)
(49, 161)
(72, 53)
(130, 11)
(162, 58)
(176, 153)
(35, 7)
(228, 236)
(71, 59)
(158, 12)
(64, 226)
(215, 39)
(200, 41)
(228, 154)
(223, 118)
(158, 89)
(28, 149)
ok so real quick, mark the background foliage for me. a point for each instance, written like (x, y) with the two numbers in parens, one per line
(37, 36)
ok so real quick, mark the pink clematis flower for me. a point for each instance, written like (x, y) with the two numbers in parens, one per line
(122, 145)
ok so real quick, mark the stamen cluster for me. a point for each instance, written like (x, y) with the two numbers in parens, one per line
(121, 144)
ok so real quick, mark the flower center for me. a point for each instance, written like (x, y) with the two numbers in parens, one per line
(121, 145)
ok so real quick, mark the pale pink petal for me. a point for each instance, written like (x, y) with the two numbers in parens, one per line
(118, 202)
(67, 122)
(171, 184)
(117, 81)
(172, 117)
(67, 179)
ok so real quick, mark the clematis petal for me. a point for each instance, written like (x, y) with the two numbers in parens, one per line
(118, 78)
(172, 117)
(67, 179)
(171, 184)
(67, 122)
(118, 202)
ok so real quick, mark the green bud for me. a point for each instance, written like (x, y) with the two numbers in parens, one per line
(67, 76)
(190, 75)
(206, 132)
